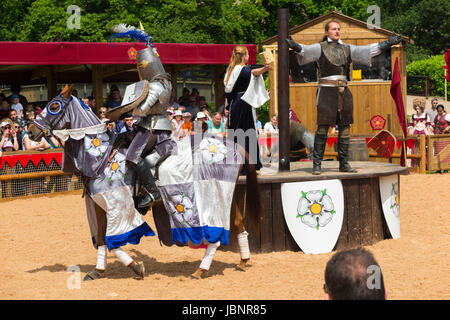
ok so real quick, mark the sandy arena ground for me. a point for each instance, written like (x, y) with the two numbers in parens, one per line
(41, 237)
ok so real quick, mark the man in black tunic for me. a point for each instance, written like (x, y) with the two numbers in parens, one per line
(334, 99)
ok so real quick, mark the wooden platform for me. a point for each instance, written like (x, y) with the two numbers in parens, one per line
(363, 223)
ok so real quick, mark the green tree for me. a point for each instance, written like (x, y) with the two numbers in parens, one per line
(426, 22)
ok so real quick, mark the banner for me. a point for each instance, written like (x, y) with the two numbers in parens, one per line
(396, 93)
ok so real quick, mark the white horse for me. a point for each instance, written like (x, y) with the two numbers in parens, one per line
(109, 185)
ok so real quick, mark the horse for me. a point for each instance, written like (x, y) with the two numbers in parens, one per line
(109, 186)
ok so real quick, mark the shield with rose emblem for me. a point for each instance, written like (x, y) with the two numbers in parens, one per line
(314, 211)
(390, 201)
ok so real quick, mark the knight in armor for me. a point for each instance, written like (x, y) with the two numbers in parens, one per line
(147, 101)
(334, 99)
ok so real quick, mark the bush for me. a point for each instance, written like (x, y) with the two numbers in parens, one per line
(432, 67)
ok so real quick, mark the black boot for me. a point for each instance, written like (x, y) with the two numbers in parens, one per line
(148, 185)
(317, 156)
(344, 166)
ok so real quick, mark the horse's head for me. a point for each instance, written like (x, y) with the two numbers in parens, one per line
(62, 112)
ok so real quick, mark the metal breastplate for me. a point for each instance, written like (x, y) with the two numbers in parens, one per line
(335, 59)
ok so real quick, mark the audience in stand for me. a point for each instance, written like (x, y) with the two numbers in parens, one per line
(215, 125)
(9, 137)
(272, 126)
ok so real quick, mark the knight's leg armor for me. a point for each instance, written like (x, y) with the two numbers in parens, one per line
(147, 180)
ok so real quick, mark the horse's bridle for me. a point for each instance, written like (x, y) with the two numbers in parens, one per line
(51, 123)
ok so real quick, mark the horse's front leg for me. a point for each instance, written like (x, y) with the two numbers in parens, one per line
(202, 271)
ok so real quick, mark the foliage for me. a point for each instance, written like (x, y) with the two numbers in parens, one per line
(426, 22)
(432, 67)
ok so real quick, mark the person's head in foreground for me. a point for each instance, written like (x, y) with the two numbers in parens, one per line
(354, 275)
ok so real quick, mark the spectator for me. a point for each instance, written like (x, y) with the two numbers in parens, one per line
(196, 94)
(8, 140)
(15, 89)
(192, 108)
(432, 113)
(19, 133)
(16, 105)
(258, 125)
(115, 100)
(177, 122)
(184, 99)
(2, 97)
(110, 125)
(170, 114)
(75, 93)
(420, 121)
(173, 101)
(272, 126)
(102, 113)
(186, 126)
(182, 108)
(206, 112)
(29, 117)
(92, 103)
(13, 116)
(5, 107)
(128, 124)
(354, 275)
(200, 123)
(215, 126)
(224, 115)
(29, 144)
(202, 104)
(441, 121)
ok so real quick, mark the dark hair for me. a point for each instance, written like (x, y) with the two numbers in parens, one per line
(440, 106)
(347, 276)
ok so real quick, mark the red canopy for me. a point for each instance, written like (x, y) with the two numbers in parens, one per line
(74, 53)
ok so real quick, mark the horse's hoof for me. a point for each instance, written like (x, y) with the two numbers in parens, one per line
(199, 274)
(242, 266)
(139, 269)
(92, 275)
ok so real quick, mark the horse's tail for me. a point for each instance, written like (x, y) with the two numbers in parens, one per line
(253, 196)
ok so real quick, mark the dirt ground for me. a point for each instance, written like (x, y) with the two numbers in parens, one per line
(42, 237)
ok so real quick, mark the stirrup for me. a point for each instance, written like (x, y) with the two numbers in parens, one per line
(148, 201)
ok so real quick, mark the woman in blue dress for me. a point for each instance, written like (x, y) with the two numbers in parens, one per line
(245, 91)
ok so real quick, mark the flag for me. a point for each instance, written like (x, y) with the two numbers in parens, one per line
(447, 63)
(396, 93)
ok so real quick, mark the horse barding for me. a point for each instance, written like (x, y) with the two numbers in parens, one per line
(197, 185)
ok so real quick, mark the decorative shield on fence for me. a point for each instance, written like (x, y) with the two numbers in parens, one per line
(390, 201)
(314, 212)
(383, 143)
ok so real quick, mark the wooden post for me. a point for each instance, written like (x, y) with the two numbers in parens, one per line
(219, 88)
(97, 84)
(51, 83)
(423, 154)
(283, 89)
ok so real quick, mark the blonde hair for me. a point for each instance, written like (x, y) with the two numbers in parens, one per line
(237, 58)
(419, 102)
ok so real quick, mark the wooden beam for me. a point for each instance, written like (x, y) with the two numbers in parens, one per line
(219, 88)
(51, 84)
(110, 70)
(97, 84)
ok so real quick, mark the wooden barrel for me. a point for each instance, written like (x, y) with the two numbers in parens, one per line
(357, 150)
